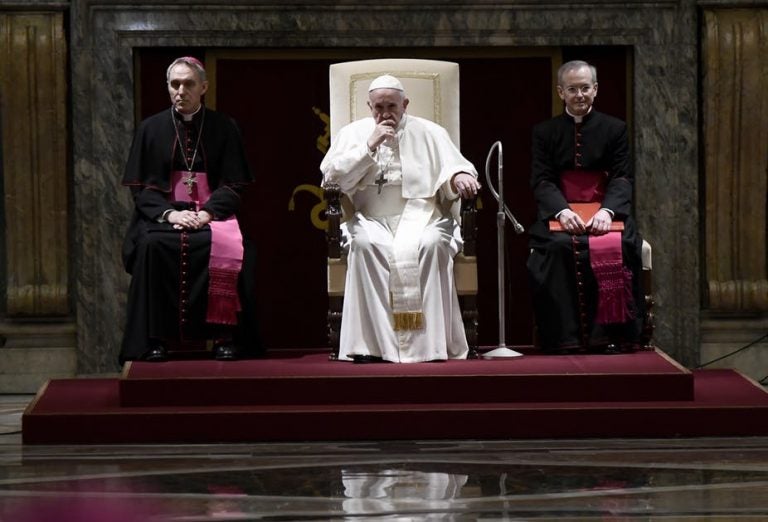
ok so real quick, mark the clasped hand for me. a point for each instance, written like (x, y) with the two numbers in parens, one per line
(189, 219)
(598, 225)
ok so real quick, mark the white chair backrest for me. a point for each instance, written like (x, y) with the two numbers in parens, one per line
(432, 86)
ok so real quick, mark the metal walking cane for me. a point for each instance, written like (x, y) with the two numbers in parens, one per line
(501, 216)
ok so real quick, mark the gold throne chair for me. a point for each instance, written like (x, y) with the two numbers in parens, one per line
(433, 89)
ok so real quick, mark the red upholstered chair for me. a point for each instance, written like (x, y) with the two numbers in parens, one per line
(433, 89)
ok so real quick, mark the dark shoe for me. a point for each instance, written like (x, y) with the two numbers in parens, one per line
(610, 349)
(224, 352)
(366, 359)
(157, 353)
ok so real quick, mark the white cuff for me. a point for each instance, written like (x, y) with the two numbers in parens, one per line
(164, 216)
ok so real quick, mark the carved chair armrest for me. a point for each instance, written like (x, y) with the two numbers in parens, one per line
(332, 194)
(469, 226)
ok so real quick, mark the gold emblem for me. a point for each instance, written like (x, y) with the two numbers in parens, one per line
(316, 214)
(325, 140)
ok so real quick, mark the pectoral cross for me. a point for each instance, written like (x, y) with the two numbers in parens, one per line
(190, 182)
(380, 181)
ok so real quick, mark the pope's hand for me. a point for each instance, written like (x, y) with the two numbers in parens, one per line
(465, 184)
(383, 132)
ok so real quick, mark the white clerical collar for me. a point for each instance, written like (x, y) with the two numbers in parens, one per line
(188, 117)
(577, 119)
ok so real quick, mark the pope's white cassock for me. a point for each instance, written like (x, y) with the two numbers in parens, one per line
(400, 301)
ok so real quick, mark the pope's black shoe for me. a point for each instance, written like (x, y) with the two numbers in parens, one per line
(156, 353)
(224, 351)
(366, 359)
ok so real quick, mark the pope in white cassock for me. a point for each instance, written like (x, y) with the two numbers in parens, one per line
(404, 176)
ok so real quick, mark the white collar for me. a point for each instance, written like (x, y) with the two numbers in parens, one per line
(577, 119)
(188, 117)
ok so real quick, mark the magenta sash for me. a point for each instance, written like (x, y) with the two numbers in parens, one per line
(224, 267)
(613, 280)
(226, 259)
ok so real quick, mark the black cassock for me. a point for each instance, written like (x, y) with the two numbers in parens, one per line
(168, 295)
(564, 311)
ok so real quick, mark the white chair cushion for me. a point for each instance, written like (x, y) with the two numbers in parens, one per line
(646, 255)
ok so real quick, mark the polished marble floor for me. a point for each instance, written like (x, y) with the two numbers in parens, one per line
(644, 479)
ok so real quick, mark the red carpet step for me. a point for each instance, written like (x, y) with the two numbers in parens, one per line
(313, 379)
(93, 411)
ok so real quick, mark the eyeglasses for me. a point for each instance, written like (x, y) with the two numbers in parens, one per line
(583, 89)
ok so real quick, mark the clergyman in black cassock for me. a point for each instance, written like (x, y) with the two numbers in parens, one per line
(571, 306)
(187, 170)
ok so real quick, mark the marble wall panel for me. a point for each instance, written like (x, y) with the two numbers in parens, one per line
(662, 34)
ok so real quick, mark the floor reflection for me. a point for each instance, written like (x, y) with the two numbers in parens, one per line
(398, 480)
(389, 490)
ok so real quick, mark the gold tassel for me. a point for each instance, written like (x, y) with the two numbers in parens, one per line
(409, 321)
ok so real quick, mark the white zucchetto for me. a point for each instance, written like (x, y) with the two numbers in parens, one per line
(386, 81)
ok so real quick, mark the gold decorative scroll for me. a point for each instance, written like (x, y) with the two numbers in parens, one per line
(33, 97)
(735, 67)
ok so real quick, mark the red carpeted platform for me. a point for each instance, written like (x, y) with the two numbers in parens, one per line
(305, 397)
(312, 379)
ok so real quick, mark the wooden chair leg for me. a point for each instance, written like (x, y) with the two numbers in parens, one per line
(332, 195)
(469, 316)
(649, 320)
(335, 305)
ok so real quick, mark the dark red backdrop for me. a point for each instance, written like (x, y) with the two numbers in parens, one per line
(275, 99)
